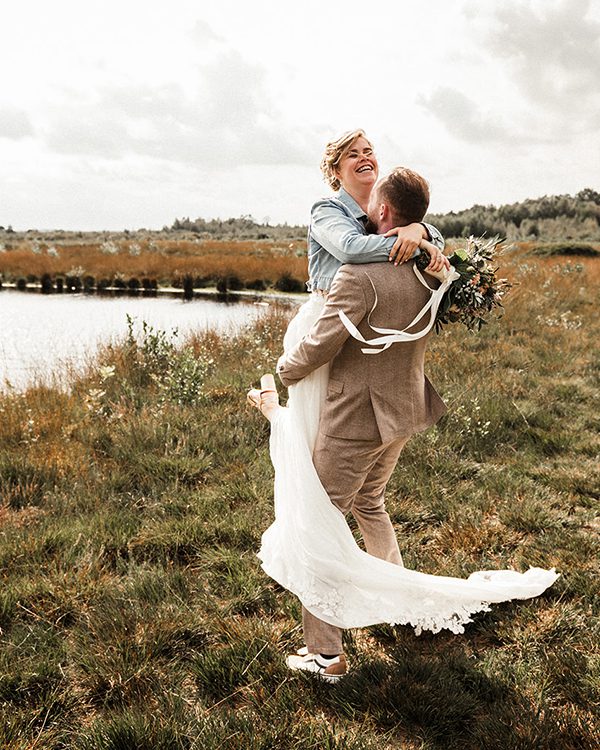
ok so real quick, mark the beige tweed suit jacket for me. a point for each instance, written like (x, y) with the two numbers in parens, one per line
(377, 397)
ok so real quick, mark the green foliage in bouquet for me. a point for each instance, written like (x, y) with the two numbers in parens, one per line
(472, 297)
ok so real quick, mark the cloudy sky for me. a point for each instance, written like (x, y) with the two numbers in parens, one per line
(128, 113)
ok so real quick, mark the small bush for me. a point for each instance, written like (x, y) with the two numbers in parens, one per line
(201, 282)
(567, 248)
(47, 284)
(188, 287)
(73, 283)
(287, 283)
(230, 282)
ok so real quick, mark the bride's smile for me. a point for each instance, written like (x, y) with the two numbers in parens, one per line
(358, 169)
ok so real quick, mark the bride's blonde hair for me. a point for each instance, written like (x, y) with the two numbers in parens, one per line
(334, 151)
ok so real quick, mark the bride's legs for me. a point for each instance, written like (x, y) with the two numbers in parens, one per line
(265, 399)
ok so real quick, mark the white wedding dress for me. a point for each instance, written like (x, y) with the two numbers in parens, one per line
(310, 550)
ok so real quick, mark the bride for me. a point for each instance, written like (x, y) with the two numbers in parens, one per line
(309, 549)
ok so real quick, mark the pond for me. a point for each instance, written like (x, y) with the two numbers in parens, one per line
(48, 335)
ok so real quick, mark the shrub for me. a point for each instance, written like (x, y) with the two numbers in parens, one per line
(231, 282)
(188, 287)
(177, 374)
(567, 248)
(201, 282)
(47, 284)
(287, 283)
(73, 283)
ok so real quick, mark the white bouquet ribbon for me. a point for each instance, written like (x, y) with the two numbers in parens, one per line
(393, 336)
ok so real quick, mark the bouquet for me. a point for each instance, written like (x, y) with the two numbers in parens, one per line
(476, 290)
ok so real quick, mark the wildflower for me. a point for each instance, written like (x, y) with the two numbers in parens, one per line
(106, 372)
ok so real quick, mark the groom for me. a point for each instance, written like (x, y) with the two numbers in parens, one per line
(374, 403)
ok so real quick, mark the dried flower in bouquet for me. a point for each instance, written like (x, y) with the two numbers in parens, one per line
(477, 291)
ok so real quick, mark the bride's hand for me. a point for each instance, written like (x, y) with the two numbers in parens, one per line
(408, 239)
(438, 260)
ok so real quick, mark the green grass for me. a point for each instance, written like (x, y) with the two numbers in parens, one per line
(134, 612)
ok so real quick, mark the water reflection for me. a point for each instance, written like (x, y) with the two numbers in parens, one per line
(43, 334)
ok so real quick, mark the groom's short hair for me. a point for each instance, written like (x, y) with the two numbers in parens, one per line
(406, 193)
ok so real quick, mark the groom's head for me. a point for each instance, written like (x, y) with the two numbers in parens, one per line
(400, 198)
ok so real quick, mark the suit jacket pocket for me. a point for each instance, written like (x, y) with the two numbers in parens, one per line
(394, 412)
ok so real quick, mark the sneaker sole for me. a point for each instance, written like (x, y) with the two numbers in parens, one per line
(320, 675)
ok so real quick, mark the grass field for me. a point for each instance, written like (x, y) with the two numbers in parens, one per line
(133, 610)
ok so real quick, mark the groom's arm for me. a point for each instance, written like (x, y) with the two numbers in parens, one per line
(328, 333)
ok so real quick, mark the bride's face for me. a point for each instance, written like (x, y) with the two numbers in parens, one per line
(358, 166)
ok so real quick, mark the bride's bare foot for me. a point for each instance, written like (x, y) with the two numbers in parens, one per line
(265, 399)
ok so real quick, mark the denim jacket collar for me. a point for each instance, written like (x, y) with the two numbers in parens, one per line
(352, 206)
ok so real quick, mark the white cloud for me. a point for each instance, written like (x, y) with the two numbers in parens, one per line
(462, 117)
(550, 54)
(227, 118)
(14, 123)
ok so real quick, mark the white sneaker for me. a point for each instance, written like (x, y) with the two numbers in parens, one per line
(330, 670)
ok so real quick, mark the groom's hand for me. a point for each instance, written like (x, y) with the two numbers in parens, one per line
(407, 242)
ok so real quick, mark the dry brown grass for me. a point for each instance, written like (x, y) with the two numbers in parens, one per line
(164, 260)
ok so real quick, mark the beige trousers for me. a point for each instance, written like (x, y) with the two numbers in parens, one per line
(354, 474)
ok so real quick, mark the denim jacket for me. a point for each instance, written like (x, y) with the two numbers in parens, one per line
(336, 235)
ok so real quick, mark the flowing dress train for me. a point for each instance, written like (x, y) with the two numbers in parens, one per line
(310, 550)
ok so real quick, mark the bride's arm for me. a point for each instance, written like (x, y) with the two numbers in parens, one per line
(338, 233)
(426, 236)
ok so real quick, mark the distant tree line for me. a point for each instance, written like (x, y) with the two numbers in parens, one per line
(242, 228)
(552, 217)
(549, 218)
